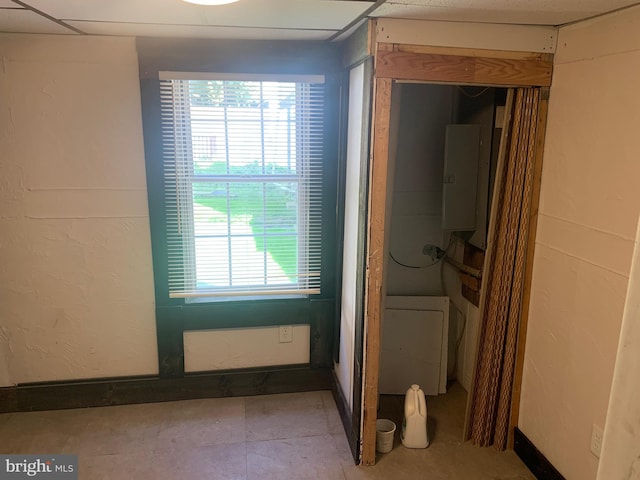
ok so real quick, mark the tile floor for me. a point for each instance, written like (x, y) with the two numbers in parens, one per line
(289, 436)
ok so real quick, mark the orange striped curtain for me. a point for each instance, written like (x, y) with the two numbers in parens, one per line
(504, 275)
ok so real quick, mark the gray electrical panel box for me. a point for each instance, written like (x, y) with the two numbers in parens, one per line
(461, 155)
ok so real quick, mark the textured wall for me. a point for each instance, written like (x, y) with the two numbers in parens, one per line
(230, 348)
(75, 269)
(589, 209)
(75, 252)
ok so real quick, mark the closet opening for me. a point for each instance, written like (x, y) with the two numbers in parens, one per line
(447, 142)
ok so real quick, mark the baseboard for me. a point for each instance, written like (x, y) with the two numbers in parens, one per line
(122, 391)
(353, 436)
(534, 459)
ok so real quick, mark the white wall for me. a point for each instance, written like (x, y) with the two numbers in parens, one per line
(464, 321)
(76, 270)
(620, 456)
(489, 36)
(588, 213)
(416, 217)
(228, 348)
(344, 368)
(75, 251)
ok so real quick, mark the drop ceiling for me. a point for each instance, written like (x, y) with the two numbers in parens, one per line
(275, 19)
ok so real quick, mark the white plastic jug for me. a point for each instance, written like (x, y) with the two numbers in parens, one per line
(414, 426)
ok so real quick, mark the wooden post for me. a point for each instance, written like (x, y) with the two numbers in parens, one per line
(375, 264)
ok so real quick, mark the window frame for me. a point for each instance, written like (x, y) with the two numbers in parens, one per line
(180, 172)
(175, 316)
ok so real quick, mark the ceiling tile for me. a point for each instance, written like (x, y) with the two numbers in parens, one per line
(523, 5)
(17, 20)
(300, 14)
(532, 12)
(8, 4)
(347, 33)
(187, 31)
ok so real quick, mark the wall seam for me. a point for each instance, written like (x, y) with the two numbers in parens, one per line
(588, 227)
(602, 267)
(590, 59)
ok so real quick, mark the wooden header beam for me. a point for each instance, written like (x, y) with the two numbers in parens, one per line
(463, 66)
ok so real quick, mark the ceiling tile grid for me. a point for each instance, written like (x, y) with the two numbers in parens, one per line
(199, 31)
(276, 19)
(249, 19)
(297, 14)
(20, 20)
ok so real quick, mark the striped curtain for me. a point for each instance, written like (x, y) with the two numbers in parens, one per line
(504, 275)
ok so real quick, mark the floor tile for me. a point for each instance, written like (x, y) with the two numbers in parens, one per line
(4, 418)
(284, 416)
(334, 422)
(7, 437)
(289, 436)
(213, 462)
(131, 465)
(196, 423)
(475, 463)
(445, 414)
(447, 457)
(120, 429)
(43, 432)
(343, 449)
(295, 458)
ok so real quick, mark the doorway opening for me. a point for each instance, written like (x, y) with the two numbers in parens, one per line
(447, 139)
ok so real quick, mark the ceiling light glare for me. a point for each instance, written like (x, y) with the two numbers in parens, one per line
(211, 2)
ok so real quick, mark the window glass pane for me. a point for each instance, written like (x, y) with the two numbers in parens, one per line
(209, 251)
(210, 208)
(246, 205)
(284, 251)
(281, 207)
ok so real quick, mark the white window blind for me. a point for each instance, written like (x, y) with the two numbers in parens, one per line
(243, 183)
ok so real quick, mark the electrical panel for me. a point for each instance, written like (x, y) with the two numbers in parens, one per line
(461, 156)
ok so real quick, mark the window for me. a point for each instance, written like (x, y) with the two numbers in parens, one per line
(242, 183)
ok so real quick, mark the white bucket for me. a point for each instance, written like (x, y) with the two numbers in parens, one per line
(385, 430)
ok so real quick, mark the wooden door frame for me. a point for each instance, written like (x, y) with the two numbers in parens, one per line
(417, 63)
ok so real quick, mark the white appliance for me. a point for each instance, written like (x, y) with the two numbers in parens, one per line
(415, 334)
